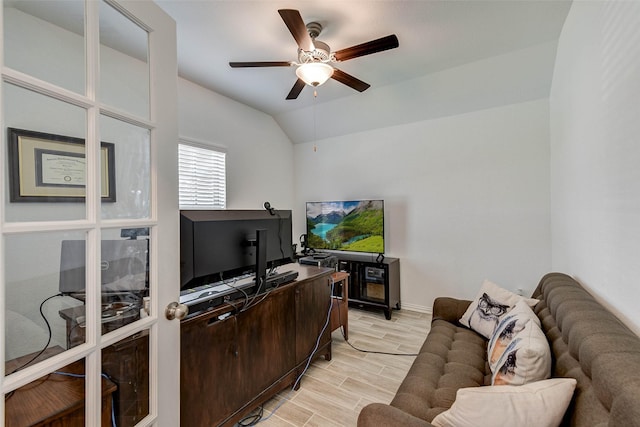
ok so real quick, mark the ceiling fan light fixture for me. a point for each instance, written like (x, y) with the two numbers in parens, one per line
(314, 73)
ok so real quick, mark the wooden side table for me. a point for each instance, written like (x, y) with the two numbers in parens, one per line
(340, 302)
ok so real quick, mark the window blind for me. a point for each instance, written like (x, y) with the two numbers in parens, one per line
(202, 177)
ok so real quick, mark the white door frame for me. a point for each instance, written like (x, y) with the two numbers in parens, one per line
(164, 217)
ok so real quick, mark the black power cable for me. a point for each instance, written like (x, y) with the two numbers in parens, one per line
(46, 321)
(344, 335)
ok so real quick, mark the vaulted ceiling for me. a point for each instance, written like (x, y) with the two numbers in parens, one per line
(453, 56)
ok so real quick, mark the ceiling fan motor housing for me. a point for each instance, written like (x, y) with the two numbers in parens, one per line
(322, 53)
(314, 29)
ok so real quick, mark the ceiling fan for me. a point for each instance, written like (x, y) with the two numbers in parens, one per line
(315, 57)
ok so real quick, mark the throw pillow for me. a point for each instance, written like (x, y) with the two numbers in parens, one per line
(525, 359)
(540, 404)
(508, 326)
(489, 305)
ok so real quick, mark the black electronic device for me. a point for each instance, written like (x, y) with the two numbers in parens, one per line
(374, 274)
(276, 279)
(330, 261)
(123, 266)
(222, 244)
(211, 295)
(269, 209)
(261, 258)
(206, 297)
(134, 233)
(303, 243)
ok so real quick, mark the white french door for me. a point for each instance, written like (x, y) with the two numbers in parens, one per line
(89, 255)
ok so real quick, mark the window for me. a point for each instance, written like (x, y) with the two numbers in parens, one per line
(202, 174)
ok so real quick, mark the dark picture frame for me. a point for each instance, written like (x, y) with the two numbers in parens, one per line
(45, 167)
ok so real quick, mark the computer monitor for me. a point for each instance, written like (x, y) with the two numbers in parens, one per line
(123, 266)
(220, 244)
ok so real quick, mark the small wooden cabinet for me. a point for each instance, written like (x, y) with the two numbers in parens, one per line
(373, 283)
(238, 355)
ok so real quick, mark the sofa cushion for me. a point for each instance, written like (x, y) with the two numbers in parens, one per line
(525, 359)
(489, 305)
(510, 324)
(541, 403)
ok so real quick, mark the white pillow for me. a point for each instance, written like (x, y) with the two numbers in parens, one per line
(509, 325)
(525, 359)
(490, 304)
(540, 404)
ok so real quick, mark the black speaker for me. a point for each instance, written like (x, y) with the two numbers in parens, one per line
(303, 243)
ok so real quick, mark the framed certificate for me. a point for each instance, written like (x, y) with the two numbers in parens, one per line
(44, 167)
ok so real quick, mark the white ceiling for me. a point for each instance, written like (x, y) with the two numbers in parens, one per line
(433, 36)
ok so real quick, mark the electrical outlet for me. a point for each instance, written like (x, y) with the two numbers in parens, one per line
(520, 291)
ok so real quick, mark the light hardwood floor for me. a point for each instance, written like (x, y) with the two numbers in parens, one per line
(333, 392)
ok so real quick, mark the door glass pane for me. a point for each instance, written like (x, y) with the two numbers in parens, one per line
(124, 64)
(124, 272)
(45, 39)
(126, 363)
(44, 145)
(132, 160)
(41, 296)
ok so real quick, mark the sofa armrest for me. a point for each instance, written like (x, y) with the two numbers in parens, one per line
(449, 309)
(381, 415)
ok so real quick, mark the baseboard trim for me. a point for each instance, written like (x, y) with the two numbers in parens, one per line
(418, 308)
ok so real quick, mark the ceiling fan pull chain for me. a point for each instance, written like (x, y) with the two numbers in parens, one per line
(315, 136)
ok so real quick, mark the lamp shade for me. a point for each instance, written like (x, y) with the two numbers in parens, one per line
(314, 73)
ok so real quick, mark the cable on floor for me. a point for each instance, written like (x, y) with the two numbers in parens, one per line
(344, 335)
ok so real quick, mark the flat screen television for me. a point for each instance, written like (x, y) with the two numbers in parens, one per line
(353, 226)
(221, 244)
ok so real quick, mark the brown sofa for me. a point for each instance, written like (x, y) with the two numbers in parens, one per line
(587, 343)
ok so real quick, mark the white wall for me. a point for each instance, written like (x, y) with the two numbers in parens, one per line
(466, 196)
(259, 154)
(595, 153)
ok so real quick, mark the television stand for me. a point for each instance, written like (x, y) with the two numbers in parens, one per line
(374, 282)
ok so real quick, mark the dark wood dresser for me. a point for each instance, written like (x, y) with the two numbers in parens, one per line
(234, 359)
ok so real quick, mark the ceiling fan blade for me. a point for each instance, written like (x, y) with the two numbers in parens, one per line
(349, 80)
(296, 89)
(294, 22)
(261, 64)
(378, 45)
